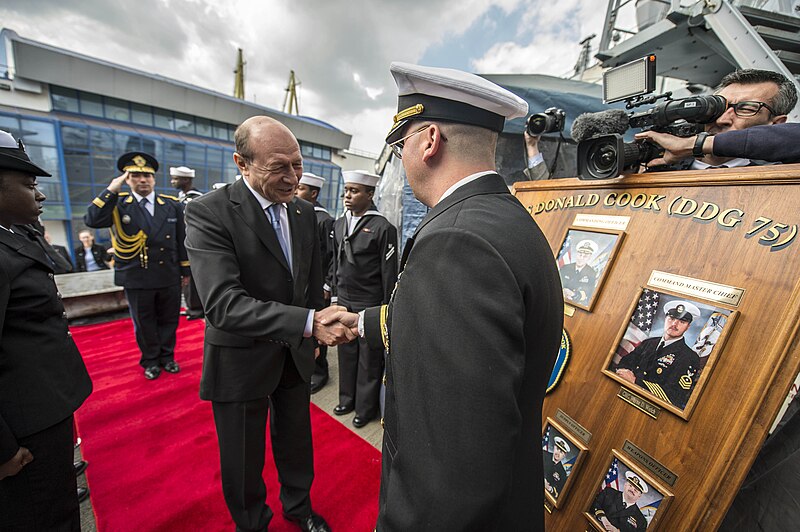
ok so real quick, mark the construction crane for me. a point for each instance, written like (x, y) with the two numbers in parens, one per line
(238, 83)
(290, 105)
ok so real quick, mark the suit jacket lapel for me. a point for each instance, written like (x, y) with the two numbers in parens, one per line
(293, 213)
(159, 215)
(248, 208)
(25, 246)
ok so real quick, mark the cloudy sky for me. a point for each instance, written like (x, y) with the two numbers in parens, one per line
(340, 50)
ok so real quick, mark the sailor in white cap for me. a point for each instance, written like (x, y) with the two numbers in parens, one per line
(363, 274)
(474, 324)
(578, 279)
(182, 179)
(555, 476)
(666, 366)
(308, 189)
(618, 510)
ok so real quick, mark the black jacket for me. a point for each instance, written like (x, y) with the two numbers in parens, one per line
(99, 253)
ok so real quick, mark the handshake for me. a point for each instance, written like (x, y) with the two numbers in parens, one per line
(334, 325)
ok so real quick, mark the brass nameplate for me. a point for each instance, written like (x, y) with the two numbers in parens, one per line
(718, 293)
(639, 402)
(650, 463)
(548, 506)
(569, 310)
(576, 428)
(602, 221)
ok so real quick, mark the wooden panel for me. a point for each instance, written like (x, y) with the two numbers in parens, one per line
(712, 451)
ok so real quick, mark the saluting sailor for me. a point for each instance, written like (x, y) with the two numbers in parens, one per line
(666, 366)
(147, 233)
(363, 273)
(578, 279)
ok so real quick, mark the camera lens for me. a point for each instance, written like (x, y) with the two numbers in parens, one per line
(602, 160)
(537, 124)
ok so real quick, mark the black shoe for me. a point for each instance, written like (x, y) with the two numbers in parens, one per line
(318, 382)
(359, 421)
(341, 410)
(190, 317)
(312, 523)
(83, 494)
(172, 367)
(80, 467)
(152, 373)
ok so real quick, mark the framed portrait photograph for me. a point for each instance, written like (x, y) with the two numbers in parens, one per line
(583, 260)
(668, 347)
(627, 499)
(562, 454)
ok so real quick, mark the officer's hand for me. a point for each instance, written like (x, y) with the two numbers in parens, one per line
(568, 294)
(17, 462)
(547, 486)
(607, 524)
(675, 148)
(117, 182)
(627, 375)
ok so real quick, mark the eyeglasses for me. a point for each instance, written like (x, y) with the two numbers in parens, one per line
(749, 108)
(397, 146)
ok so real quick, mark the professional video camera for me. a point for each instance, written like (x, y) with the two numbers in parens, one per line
(551, 121)
(602, 152)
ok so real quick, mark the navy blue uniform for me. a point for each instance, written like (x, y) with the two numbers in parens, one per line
(150, 260)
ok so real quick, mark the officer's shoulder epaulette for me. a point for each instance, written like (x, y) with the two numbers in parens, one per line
(173, 198)
(123, 194)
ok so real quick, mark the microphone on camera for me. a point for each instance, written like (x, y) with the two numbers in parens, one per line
(607, 122)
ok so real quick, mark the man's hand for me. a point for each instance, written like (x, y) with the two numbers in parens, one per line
(531, 144)
(568, 294)
(627, 375)
(607, 524)
(326, 295)
(117, 182)
(548, 487)
(15, 465)
(675, 148)
(185, 280)
(328, 330)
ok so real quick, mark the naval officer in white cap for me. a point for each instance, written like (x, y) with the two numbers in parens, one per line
(363, 273)
(309, 188)
(473, 326)
(665, 365)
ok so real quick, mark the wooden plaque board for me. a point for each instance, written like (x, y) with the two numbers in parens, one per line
(735, 227)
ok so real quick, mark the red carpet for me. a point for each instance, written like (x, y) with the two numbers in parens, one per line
(153, 454)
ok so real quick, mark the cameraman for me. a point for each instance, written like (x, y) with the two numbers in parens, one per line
(755, 98)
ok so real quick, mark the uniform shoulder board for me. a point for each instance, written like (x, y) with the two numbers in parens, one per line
(123, 194)
(173, 198)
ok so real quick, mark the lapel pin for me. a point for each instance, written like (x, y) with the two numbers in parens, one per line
(298, 211)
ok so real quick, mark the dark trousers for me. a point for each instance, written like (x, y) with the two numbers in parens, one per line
(360, 374)
(44, 494)
(241, 428)
(155, 313)
(194, 308)
(321, 363)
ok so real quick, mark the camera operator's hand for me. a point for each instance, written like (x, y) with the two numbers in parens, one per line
(675, 148)
(531, 144)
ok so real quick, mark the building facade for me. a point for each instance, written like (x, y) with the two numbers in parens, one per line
(77, 115)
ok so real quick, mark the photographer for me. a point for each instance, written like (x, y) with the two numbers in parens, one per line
(755, 98)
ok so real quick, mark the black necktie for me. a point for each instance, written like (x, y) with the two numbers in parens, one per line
(146, 215)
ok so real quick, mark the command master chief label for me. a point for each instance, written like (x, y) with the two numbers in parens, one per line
(718, 293)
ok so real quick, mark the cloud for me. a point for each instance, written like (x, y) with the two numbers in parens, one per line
(340, 51)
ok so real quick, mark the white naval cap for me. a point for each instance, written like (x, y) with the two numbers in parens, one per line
(634, 479)
(312, 180)
(181, 171)
(587, 246)
(360, 177)
(682, 310)
(445, 94)
(561, 444)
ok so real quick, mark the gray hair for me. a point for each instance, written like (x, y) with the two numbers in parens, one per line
(782, 103)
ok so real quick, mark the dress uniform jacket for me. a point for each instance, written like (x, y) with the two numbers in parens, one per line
(364, 265)
(473, 329)
(186, 197)
(42, 377)
(669, 374)
(325, 233)
(100, 254)
(581, 283)
(154, 259)
(554, 474)
(609, 504)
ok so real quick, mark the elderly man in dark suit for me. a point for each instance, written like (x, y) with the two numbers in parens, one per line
(256, 262)
(42, 376)
(477, 312)
(150, 258)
